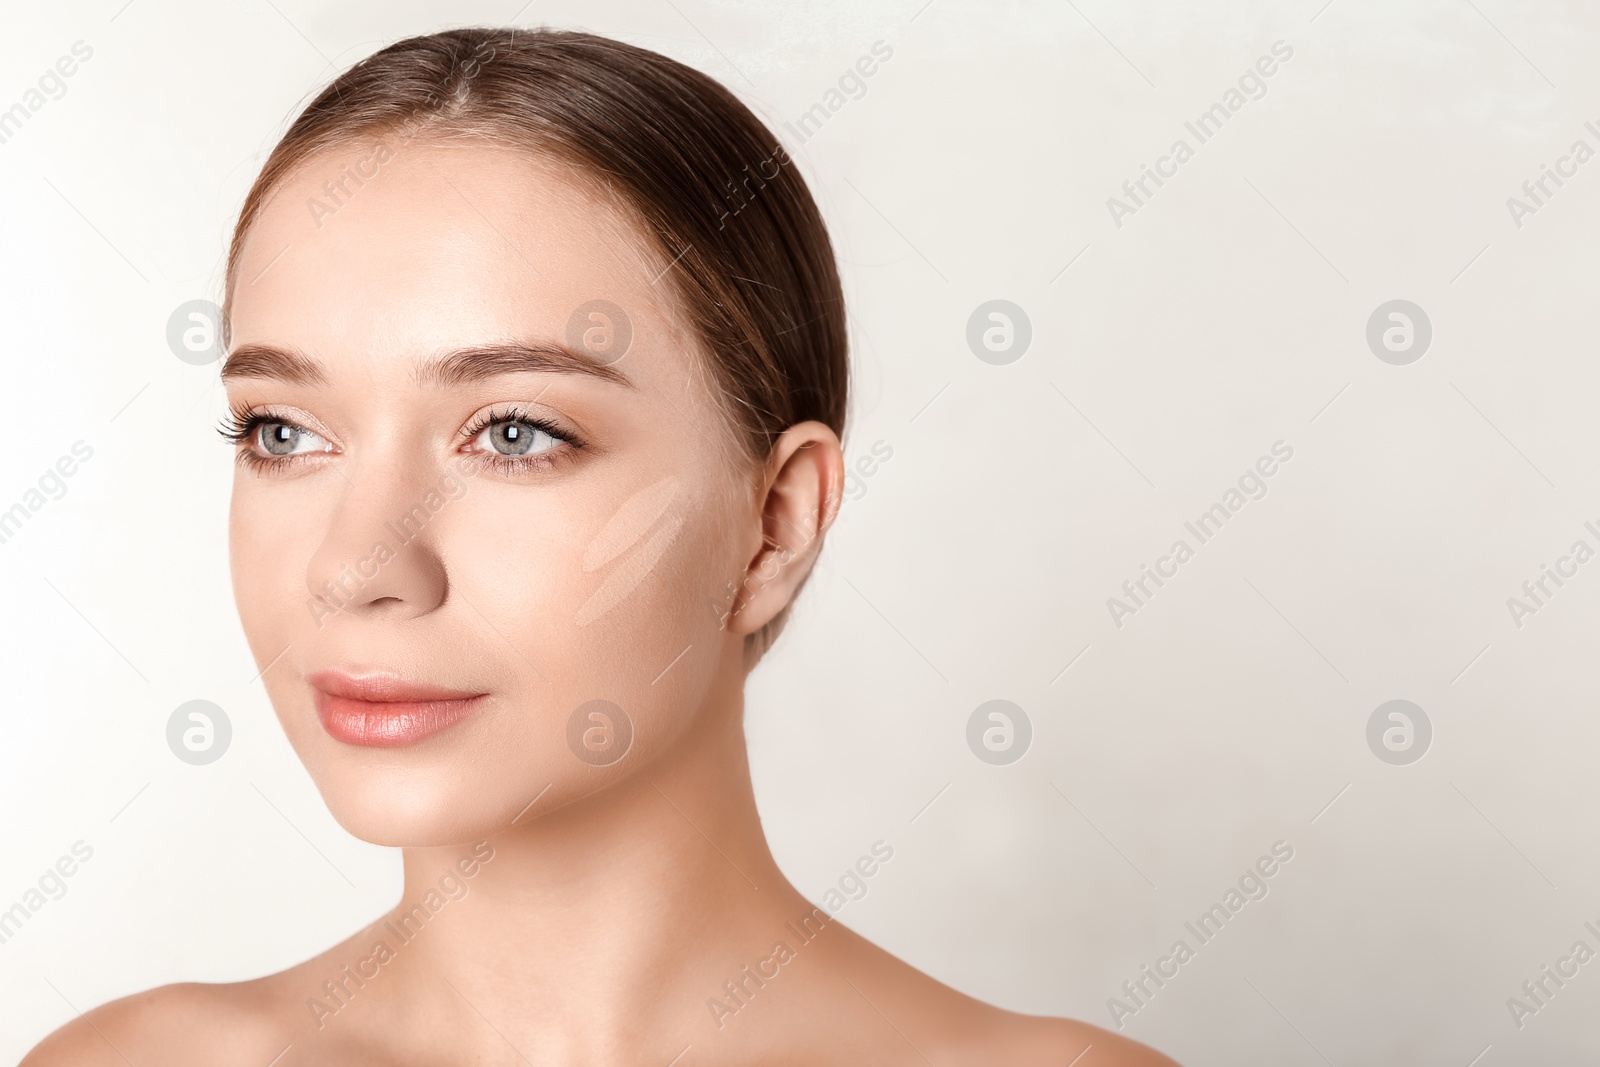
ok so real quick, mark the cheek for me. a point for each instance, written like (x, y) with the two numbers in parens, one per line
(267, 558)
(651, 638)
(271, 540)
(620, 581)
(256, 565)
(610, 595)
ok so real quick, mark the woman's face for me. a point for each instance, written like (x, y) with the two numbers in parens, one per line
(469, 502)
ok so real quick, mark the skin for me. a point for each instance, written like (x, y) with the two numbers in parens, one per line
(616, 900)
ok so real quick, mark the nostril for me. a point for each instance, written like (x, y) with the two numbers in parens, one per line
(383, 582)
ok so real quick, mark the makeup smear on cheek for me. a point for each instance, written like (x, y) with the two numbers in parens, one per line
(630, 544)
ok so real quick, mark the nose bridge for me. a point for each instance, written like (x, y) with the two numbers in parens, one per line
(379, 552)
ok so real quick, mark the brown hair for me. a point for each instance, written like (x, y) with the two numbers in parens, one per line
(719, 199)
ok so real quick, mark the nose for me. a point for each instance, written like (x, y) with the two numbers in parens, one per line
(379, 556)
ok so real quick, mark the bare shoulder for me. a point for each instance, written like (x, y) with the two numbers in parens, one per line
(951, 1027)
(1054, 1042)
(980, 1034)
(185, 1023)
(206, 1023)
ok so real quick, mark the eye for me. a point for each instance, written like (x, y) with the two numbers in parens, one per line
(516, 438)
(286, 439)
(515, 441)
(267, 440)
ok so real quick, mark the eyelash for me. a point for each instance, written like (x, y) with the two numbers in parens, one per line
(546, 460)
(241, 426)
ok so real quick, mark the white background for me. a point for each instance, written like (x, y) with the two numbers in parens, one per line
(1228, 313)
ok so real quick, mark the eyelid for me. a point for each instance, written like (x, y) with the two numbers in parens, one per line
(298, 418)
(302, 419)
(517, 411)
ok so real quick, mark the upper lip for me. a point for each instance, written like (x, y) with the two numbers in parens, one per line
(382, 687)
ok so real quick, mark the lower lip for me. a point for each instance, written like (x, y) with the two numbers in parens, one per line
(389, 724)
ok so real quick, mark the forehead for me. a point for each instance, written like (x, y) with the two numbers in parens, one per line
(410, 248)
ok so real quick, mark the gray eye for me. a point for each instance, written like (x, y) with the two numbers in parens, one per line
(281, 439)
(511, 438)
(517, 439)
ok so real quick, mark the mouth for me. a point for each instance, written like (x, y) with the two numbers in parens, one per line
(380, 710)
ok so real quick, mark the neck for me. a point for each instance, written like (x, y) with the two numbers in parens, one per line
(618, 914)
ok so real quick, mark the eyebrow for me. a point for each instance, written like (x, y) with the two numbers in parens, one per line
(460, 366)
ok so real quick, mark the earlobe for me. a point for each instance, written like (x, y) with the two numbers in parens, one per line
(801, 494)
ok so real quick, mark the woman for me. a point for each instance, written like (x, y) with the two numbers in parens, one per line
(537, 370)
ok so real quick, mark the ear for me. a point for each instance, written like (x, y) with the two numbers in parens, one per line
(802, 489)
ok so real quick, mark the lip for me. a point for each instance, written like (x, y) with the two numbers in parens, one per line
(380, 710)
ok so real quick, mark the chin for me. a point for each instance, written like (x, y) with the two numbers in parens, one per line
(458, 798)
(431, 794)
(412, 807)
